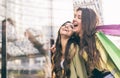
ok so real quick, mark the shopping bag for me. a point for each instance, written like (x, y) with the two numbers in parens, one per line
(109, 29)
(111, 49)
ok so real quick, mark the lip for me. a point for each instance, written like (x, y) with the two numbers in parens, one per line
(75, 23)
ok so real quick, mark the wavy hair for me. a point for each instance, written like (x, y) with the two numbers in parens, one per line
(88, 41)
(57, 58)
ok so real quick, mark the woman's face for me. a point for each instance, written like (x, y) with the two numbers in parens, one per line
(77, 22)
(66, 30)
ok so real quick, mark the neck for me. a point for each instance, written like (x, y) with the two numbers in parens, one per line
(63, 43)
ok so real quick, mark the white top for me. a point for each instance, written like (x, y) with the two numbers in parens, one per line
(61, 63)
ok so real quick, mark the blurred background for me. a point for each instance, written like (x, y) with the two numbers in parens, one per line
(35, 27)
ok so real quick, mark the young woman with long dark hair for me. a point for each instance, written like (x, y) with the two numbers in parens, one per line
(66, 60)
(96, 59)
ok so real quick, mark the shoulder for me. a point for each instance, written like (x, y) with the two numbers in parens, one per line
(74, 48)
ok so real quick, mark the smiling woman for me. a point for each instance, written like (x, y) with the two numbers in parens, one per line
(96, 59)
(66, 29)
(66, 60)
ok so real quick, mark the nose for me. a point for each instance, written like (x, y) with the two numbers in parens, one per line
(74, 19)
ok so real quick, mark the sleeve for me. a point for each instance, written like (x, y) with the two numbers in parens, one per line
(77, 66)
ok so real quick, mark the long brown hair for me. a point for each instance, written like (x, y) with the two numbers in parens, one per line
(88, 41)
(57, 58)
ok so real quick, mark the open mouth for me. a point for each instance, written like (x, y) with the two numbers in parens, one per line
(75, 24)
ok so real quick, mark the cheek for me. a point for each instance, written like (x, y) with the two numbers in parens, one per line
(79, 22)
(79, 26)
(60, 31)
(71, 32)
